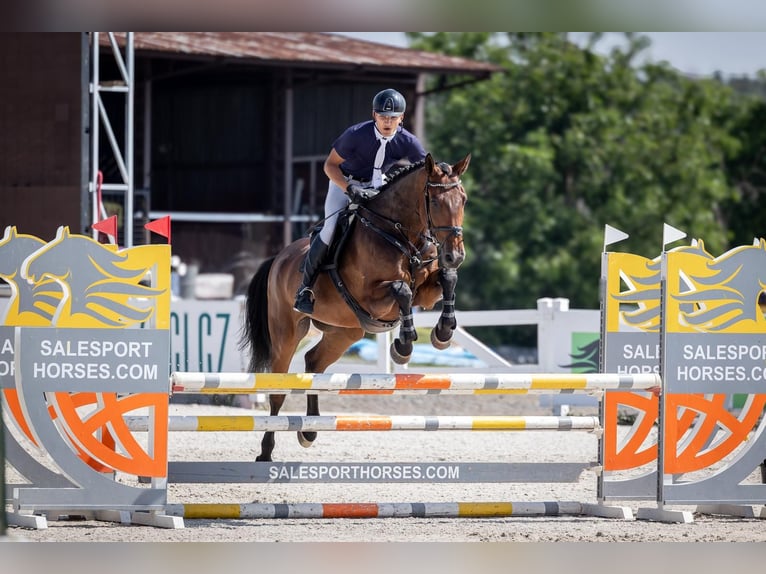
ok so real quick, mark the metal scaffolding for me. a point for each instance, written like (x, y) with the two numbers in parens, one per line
(123, 154)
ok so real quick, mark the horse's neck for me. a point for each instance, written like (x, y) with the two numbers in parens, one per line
(404, 204)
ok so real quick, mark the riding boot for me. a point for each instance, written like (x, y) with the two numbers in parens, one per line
(304, 297)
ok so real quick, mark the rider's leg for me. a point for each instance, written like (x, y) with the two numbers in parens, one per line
(335, 201)
(304, 298)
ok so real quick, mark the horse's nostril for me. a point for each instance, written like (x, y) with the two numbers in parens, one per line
(451, 260)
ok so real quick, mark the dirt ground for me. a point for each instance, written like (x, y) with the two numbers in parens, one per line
(399, 446)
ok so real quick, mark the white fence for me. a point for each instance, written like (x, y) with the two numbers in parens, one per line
(205, 334)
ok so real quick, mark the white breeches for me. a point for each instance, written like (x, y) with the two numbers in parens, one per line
(334, 203)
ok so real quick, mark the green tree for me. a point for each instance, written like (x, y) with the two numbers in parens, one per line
(746, 165)
(564, 141)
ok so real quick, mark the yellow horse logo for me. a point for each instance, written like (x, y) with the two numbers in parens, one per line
(717, 295)
(109, 286)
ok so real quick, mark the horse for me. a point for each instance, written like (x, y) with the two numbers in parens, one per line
(399, 249)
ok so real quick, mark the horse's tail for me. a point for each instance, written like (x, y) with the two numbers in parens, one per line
(255, 331)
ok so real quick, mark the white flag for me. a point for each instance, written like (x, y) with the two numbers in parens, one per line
(613, 235)
(671, 234)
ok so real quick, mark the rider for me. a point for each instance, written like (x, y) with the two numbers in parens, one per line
(356, 164)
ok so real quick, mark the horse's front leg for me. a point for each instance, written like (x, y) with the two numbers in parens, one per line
(441, 334)
(401, 348)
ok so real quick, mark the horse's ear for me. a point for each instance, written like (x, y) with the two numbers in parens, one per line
(429, 164)
(460, 167)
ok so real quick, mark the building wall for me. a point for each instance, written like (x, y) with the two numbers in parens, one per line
(218, 146)
(214, 141)
(40, 122)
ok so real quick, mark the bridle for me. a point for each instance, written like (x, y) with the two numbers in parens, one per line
(453, 230)
(401, 240)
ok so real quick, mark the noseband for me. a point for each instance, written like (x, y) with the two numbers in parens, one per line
(453, 230)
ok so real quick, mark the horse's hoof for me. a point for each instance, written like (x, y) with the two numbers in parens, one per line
(439, 344)
(306, 439)
(397, 357)
(261, 458)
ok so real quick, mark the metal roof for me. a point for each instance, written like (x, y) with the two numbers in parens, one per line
(303, 49)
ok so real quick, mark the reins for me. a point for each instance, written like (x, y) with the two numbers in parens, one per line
(405, 245)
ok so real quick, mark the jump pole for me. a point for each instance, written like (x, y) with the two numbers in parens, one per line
(409, 383)
(219, 423)
(379, 510)
(387, 384)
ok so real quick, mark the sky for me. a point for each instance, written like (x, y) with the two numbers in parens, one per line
(695, 53)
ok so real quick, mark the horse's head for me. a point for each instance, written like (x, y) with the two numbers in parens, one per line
(445, 202)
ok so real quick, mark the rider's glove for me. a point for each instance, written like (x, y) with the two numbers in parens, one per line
(358, 193)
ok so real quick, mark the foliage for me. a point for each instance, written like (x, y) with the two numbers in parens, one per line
(744, 215)
(564, 141)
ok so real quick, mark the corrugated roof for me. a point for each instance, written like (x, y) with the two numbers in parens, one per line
(303, 48)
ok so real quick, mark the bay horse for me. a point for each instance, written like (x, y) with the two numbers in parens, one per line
(398, 249)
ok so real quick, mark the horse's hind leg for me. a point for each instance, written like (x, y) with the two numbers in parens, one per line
(441, 334)
(334, 342)
(306, 439)
(284, 342)
(267, 443)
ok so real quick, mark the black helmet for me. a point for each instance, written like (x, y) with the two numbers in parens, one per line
(389, 103)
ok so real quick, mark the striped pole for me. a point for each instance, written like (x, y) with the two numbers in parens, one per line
(216, 423)
(397, 510)
(407, 383)
(376, 510)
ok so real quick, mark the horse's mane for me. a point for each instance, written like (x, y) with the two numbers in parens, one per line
(399, 173)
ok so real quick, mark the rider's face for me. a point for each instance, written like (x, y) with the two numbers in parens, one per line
(387, 125)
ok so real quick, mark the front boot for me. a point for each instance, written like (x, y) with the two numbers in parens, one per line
(304, 297)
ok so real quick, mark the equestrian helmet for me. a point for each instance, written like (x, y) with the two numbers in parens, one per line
(389, 103)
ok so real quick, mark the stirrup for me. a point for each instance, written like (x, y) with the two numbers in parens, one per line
(304, 301)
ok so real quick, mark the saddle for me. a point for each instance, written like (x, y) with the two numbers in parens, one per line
(347, 220)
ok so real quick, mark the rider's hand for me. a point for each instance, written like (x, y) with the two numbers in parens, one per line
(358, 193)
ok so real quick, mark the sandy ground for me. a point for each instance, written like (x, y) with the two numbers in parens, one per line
(400, 446)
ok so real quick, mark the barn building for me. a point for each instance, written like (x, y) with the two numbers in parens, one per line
(224, 132)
